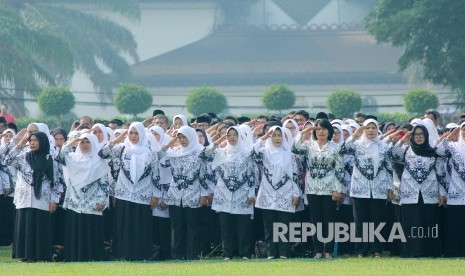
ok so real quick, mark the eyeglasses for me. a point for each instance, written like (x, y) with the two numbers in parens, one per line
(419, 135)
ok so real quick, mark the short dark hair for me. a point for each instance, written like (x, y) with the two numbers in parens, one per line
(360, 114)
(322, 115)
(303, 113)
(231, 118)
(371, 117)
(158, 111)
(116, 121)
(324, 123)
(13, 126)
(433, 112)
(2, 120)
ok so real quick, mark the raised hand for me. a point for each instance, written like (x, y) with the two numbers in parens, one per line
(358, 132)
(406, 137)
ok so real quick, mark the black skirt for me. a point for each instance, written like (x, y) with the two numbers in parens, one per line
(455, 234)
(33, 235)
(83, 237)
(133, 231)
(7, 214)
(420, 223)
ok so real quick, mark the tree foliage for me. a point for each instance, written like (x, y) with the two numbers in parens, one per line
(133, 99)
(419, 100)
(56, 100)
(278, 97)
(205, 99)
(431, 33)
(344, 103)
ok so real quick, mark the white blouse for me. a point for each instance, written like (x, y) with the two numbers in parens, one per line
(455, 183)
(147, 186)
(365, 181)
(325, 167)
(24, 192)
(235, 183)
(277, 197)
(421, 175)
(84, 200)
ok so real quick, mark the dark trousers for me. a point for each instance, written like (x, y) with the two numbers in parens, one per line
(162, 237)
(275, 249)
(455, 234)
(184, 232)
(368, 210)
(322, 211)
(235, 228)
(418, 221)
(345, 215)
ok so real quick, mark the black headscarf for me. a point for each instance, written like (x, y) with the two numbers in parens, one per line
(207, 143)
(41, 163)
(424, 149)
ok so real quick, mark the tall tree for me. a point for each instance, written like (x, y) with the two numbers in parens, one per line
(96, 44)
(432, 34)
(26, 50)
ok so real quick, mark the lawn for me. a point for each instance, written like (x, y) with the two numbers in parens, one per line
(290, 267)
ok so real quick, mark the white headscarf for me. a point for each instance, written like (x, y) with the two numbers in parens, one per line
(228, 153)
(341, 136)
(247, 136)
(151, 141)
(193, 146)
(461, 143)
(370, 146)
(337, 121)
(140, 153)
(350, 121)
(296, 126)
(182, 118)
(164, 138)
(354, 125)
(416, 121)
(105, 134)
(432, 131)
(2, 142)
(85, 168)
(280, 158)
(111, 134)
(348, 129)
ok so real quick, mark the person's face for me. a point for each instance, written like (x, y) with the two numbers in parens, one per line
(85, 145)
(34, 143)
(99, 133)
(85, 122)
(2, 127)
(113, 126)
(300, 119)
(203, 126)
(291, 127)
(419, 136)
(183, 141)
(232, 137)
(322, 133)
(177, 123)
(336, 136)
(8, 137)
(59, 140)
(201, 138)
(390, 127)
(3, 109)
(371, 131)
(156, 135)
(161, 123)
(31, 129)
(346, 134)
(261, 121)
(277, 138)
(223, 131)
(431, 116)
(360, 120)
(133, 136)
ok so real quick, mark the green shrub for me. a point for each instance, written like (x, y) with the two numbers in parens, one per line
(418, 100)
(133, 99)
(205, 99)
(278, 97)
(55, 101)
(344, 103)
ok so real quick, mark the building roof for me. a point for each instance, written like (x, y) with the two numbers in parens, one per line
(244, 57)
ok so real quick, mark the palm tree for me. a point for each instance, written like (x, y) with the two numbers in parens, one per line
(96, 44)
(25, 52)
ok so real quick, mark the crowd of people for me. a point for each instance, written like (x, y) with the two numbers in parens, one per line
(161, 190)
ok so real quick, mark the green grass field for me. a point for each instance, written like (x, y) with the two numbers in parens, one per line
(290, 267)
